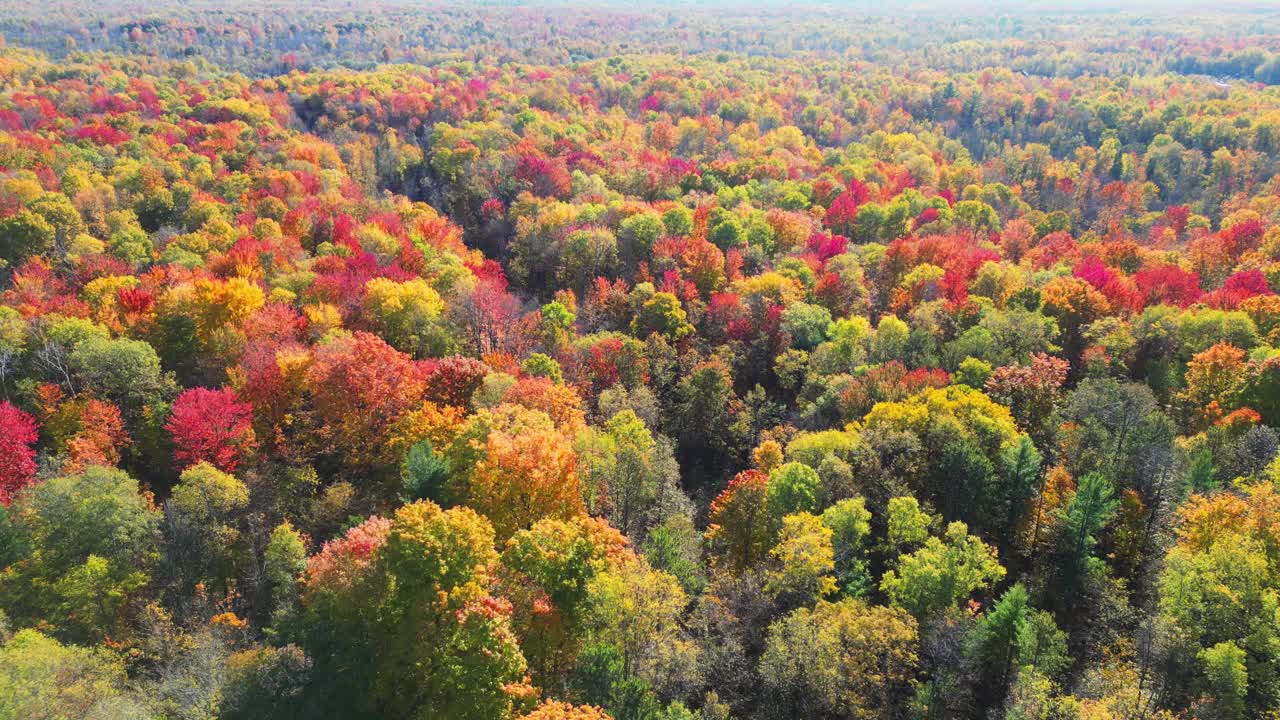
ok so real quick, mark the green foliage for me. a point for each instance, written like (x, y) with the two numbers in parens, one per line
(844, 659)
(88, 543)
(41, 678)
(850, 524)
(540, 365)
(662, 314)
(802, 561)
(417, 613)
(1017, 483)
(637, 610)
(943, 573)
(807, 324)
(1089, 511)
(284, 560)
(678, 221)
(423, 473)
(1228, 679)
(24, 234)
(793, 488)
(973, 372)
(1013, 639)
(908, 524)
(675, 547)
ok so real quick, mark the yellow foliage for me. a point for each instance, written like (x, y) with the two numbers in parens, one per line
(440, 424)
(990, 422)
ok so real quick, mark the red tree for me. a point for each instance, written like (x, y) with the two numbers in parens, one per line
(844, 209)
(452, 380)
(17, 457)
(359, 387)
(1168, 284)
(211, 426)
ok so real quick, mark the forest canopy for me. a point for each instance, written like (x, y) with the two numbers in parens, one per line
(639, 361)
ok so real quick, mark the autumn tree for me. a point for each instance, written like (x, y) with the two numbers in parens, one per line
(845, 659)
(741, 528)
(406, 603)
(211, 426)
(17, 456)
(360, 386)
(1214, 380)
(523, 478)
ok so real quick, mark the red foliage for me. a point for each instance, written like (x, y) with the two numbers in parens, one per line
(1030, 391)
(452, 380)
(827, 246)
(17, 457)
(843, 212)
(1176, 217)
(1243, 236)
(1119, 290)
(725, 311)
(1052, 249)
(956, 253)
(360, 386)
(1168, 284)
(137, 301)
(99, 439)
(211, 426)
(1238, 288)
(101, 134)
(1095, 272)
(545, 177)
(275, 321)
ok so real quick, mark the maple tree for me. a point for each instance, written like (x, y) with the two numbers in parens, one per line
(17, 435)
(505, 362)
(211, 426)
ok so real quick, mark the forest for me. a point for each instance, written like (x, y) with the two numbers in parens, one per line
(639, 361)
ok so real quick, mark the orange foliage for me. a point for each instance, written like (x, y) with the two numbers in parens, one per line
(523, 478)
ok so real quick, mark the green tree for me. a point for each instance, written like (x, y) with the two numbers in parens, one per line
(662, 314)
(908, 525)
(638, 234)
(942, 573)
(1228, 679)
(546, 571)
(678, 220)
(204, 527)
(88, 542)
(628, 473)
(1018, 478)
(399, 620)
(540, 365)
(793, 488)
(840, 660)
(24, 235)
(284, 560)
(806, 323)
(637, 610)
(850, 524)
(1089, 511)
(996, 642)
(423, 473)
(802, 561)
(41, 678)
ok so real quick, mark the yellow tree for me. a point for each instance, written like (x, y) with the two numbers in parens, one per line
(524, 477)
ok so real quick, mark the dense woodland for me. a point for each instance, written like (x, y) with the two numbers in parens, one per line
(638, 363)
